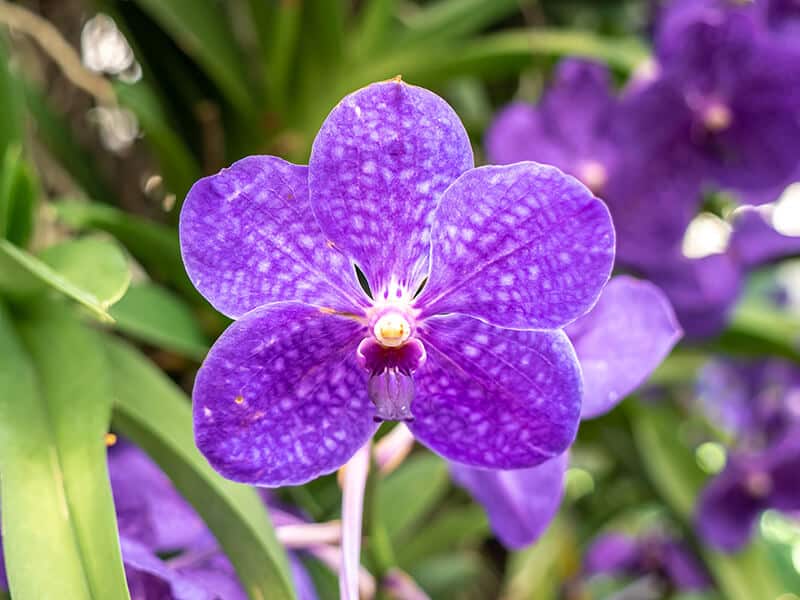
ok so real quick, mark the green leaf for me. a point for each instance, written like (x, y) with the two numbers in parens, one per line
(154, 315)
(156, 415)
(450, 19)
(202, 30)
(18, 194)
(12, 108)
(410, 492)
(281, 49)
(372, 31)
(97, 266)
(457, 526)
(499, 54)
(759, 328)
(58, 513)
(152, 244)
(98, 263)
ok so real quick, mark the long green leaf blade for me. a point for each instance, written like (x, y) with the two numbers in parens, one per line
(156, 316)
(202, 30)
(156, 415)
(23, 275)
(54, 460)
(30, 481)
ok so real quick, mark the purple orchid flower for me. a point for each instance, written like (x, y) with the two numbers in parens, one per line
(619, 343)
(737, 92)
(472, 272)
(650, 173)
(671, 561)
(751, 483)
(756, 402)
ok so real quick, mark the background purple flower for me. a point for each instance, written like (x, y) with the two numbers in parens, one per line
(751, 483)
(618, 554)
(471, 273)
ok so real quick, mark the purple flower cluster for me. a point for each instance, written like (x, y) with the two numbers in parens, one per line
(759, 404)
(471, 275)
(718, 109)
(656, 554)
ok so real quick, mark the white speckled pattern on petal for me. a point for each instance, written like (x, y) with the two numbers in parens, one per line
(280, 399)
(249, 237)
(379, 164)
(495, 398)
(523, 246)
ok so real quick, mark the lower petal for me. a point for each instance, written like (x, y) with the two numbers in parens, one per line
(280, 399)
(495, 398)
(520, 504)
(621, 341)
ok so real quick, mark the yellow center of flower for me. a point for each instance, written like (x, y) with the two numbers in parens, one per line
(392, 329)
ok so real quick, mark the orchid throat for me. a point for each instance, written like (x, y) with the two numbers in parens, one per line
(391, 353)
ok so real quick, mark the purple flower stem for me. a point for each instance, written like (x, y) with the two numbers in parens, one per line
(355, 481)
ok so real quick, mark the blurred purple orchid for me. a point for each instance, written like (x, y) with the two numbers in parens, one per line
(619, 343)
(751, 483)
(759, 404)
(472, 272)
(756, 402)
(153, 518)
(617, 554)
(638, 152)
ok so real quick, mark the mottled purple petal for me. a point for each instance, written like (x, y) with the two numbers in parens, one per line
(248, 237)
(621, 341)
(495, 398)
(522, 246)
(612, 553)
(378, 166)
(149, 509)
(280, 399)
(521, 503)
(755, 241)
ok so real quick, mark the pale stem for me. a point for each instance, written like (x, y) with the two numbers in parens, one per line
(331, 556)
(309, 534)
(391, 450)
(355, 481)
